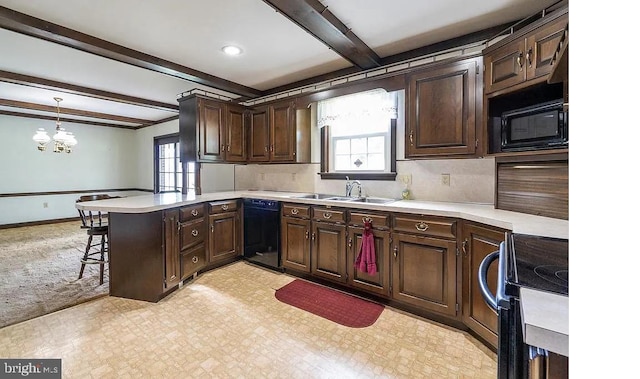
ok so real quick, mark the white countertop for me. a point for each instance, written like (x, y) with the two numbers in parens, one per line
(545, 319)
(482, 213)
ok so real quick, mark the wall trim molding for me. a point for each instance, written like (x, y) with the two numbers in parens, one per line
(40, 222)
(51, 193)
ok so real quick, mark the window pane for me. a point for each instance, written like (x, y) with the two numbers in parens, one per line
(343, 146)
(342, 162)
(376, 161)
(358, 145)
(376, 144)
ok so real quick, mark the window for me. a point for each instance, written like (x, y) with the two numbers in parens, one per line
(168, 168)
(358, 133)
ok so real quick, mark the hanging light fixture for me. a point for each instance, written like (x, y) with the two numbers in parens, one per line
(63, 140)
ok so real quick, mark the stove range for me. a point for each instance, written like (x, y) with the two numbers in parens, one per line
(540, 263)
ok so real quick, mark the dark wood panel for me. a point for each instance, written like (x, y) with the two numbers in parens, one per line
(211, 129)
(236, 150)
(430, 226)
(193, 260)
(328, 251)
(539, 188)
(542, 46)
(283, 133)
(136, 258)
(378, 283)
(259, 136)
(192, 233)
(296, 244)
(223, 237)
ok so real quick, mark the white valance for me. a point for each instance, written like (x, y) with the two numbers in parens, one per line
(369, 110)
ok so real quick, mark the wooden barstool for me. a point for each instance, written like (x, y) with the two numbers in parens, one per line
(96, 225)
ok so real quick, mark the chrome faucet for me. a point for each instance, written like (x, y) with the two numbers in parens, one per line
(350, 186)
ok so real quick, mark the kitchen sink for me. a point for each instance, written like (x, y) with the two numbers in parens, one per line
(371, 200)
(316, 196)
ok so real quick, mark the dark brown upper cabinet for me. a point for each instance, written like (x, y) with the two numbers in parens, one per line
(279, 133)
(442, 105)
(212, 130)
(526, 56)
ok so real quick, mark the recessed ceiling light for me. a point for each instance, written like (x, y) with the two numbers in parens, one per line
(232, 50)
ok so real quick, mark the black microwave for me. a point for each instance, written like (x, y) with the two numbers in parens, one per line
(542, 126)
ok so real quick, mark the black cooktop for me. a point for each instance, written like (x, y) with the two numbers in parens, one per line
(540, 263)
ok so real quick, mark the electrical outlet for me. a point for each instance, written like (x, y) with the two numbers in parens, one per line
(405, 178)
(446, 179)
(45, 205)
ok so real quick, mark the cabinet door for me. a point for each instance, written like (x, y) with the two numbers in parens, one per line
(282, 125)
(328, 251)
(223, 237)
(295, 244)
(379, 282)
(235, 150)
(424, 272)
(478, 242)
(505, 67)
(171, 249)
(211, 131)
(541, 45)
(442, 111)
(259, 142)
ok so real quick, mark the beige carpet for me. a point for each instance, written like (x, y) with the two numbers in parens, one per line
(39, 267)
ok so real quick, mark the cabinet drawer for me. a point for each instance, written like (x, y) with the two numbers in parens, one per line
(295, 210)
(430, 226)
(192, 261)
(192, 233)
(378, 221)
(191, 212)
(223, 206)
(329, 214)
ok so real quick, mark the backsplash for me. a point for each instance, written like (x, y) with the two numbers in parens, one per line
(471, 180)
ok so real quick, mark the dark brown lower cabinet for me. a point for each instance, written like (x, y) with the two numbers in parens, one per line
(171, 248)
(424, 272)
(328, 251)
(295, 244)
(223, 237)
(378, 283)
(478, 241)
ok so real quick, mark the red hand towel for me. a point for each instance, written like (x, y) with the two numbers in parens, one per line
(366, 260)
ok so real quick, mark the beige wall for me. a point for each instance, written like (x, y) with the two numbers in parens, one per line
(471, 180)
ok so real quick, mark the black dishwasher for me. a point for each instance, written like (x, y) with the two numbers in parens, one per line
(262, 232)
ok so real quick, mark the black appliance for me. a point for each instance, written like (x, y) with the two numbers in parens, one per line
(541, 126)
(262, 232)
(540, 263)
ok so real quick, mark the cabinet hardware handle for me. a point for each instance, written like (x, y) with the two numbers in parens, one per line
(194, 212)
(464, 246)
(520, 60)
(313, 236)
(367, 219)
(421, 226)
(294, 211)
(306, 235)
(266, 148)
(225, 207)
(212, 228)
(326, 215)
(530, 56)
(411, 137)
(395, 252)
(194, 259)
(229, 148)
(222, 148)
(350, 242)
(271, 148)
(178, 225)
(194, 233)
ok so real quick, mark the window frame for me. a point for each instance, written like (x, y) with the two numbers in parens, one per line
(325, 152)
(173, 139)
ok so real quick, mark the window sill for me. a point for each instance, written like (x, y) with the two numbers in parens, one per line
(358, 175)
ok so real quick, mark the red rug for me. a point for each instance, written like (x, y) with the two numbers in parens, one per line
(333, 305)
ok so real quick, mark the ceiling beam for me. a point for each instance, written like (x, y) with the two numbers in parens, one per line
(33, 81)
(62, 119)
(35, 27)
(70, 111)
(318, 21)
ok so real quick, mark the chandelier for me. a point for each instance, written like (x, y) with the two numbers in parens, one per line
(63, 140)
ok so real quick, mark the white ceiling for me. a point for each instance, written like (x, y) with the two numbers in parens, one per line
(191, 33)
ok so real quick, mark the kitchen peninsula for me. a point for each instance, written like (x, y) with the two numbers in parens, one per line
(141, 228)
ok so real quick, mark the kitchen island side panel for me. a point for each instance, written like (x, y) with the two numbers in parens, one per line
(136, 259)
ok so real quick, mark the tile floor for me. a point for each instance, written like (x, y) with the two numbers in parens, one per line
(228, 324)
